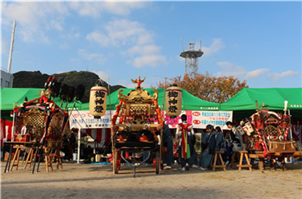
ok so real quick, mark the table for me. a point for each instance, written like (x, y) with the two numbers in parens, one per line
(17, 145)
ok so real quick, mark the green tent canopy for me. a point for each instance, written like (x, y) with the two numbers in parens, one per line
(11, 96)
(189, 102)
(273, 97)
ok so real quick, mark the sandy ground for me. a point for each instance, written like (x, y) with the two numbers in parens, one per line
(97, 181)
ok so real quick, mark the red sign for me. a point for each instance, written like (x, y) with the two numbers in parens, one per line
(196, 113)
(196, 121)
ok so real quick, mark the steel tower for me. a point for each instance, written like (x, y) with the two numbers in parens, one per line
(191, 58)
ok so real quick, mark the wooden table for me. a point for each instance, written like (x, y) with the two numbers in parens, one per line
(10, 163)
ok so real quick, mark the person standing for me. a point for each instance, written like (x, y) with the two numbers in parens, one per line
(206, 156)
(72, 141)
(168, 143)
(237, 142)
(228, 147)
(184, 131)
(193, 162)
(220, 143)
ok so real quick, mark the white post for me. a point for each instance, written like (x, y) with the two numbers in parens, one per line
(12, 134)
(79, 147)
(11, 48)
(6, 132)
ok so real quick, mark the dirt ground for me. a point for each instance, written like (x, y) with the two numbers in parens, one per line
(97, 181)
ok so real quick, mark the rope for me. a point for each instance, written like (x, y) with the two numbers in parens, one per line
(262, 143)
(286, 134)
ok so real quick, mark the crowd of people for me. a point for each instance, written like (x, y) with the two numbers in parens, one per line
(212, 140)
(181, 148)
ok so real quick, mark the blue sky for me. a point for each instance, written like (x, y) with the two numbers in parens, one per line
(259, 42)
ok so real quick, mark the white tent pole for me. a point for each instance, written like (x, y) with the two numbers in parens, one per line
(79, 147)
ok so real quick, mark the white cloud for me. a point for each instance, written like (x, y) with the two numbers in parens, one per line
(255, 73)
(64, 45)
(148, 60)
(4, 46)
(124, 31)
(215, 46)
(100, 38)
(148, 49)
(225, 65)
(133, 34)
(99, 58)
(229, 69)
(34, 36)
(277, 76)
(58, 25)
(95, 9)
(237, 71)
(121, 32)
(86, 8)
(70, 36)
(35, 18)
(102, 75)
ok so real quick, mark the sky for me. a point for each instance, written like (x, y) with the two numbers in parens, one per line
(259, 42)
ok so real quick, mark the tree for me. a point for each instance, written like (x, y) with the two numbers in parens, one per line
(207, 87)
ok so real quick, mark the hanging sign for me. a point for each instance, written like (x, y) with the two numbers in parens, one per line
(98, 101)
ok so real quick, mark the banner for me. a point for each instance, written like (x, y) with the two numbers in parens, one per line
(84, 120)
(199, 119)
(216, 118)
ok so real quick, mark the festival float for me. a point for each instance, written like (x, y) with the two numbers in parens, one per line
(136, 126)
(39, 125)
(267, 135)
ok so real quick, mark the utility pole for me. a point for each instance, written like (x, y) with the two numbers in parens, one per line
(11, 48)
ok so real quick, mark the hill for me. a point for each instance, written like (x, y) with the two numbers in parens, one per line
(35, 79)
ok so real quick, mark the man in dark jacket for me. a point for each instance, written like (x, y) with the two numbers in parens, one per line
(168, 143)
(206, 156)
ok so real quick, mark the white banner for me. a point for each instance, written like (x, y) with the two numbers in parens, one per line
(216, 118)
(84, 120)
(199, 119)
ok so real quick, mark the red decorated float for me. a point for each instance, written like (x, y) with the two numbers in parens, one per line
(136, 127)
(267, 135)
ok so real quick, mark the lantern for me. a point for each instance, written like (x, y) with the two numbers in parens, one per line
(98, 101)
(173, 100)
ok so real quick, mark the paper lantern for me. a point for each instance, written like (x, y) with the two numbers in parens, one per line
(173, 101)
(98, 101)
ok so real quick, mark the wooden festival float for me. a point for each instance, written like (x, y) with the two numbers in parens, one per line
(267, 135)
(136, 126)
(39, 124)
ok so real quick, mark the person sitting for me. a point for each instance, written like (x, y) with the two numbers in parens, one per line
(206, 156)
(220, 143)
